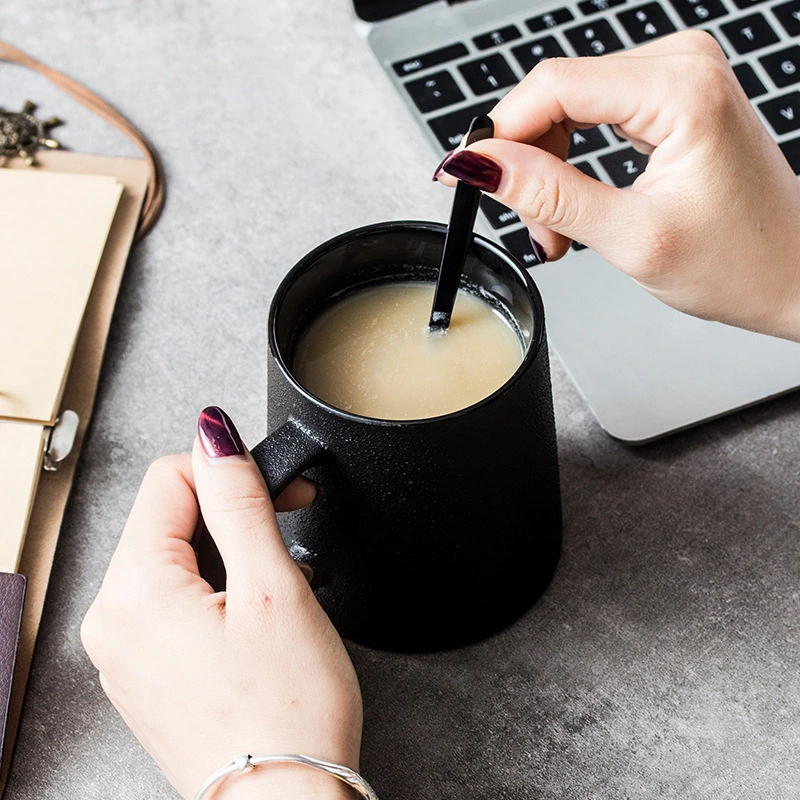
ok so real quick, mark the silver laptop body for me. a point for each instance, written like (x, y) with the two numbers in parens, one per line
(644, 369)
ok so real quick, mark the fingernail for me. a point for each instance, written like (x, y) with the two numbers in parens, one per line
(474, 169)
(538, 250)
(438, 171)
(218, 434)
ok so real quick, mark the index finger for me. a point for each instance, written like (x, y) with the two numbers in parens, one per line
(630, 89)
(162, 521)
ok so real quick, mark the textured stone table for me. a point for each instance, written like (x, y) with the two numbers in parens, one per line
(662, 661)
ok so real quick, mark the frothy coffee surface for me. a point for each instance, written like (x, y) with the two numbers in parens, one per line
(371, 353)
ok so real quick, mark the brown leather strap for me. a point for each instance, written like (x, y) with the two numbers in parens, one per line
(154, 198)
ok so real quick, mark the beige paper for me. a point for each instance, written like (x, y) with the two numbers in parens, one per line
(53, 229)
(21, 447)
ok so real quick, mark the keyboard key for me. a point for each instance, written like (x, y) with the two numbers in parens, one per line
(519, 245)
(434, 92)
(432, 59)
(593, 6)
(749, 33)
(587, 169)
(783, 113)
(646, 22)
(499, 216)
(624, 166)
(791, 150)
(594, 38)
(550, 20)
(497, 37)
(586, 141)
(696, 12)
(530, 54)
(788, 15)
(450, 128)
(488, 74)
(747, 3)
(751, 83)
(783, 66)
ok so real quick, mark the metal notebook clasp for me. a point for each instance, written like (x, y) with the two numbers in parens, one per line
(61, 440)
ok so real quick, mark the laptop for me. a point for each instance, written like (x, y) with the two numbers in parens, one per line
(644, 369)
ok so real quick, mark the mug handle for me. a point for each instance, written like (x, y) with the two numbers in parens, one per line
(284, 454)
(281, 457)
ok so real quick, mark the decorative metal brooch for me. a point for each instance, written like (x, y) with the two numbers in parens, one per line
(21, 134)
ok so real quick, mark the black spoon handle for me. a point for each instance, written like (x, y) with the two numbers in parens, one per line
(459, 235)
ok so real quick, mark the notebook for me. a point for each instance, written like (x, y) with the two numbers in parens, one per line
(644, 369)
(67, 227)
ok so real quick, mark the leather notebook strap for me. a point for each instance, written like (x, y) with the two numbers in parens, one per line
(154, 198)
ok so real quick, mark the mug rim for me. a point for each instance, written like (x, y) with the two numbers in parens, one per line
(306, 263)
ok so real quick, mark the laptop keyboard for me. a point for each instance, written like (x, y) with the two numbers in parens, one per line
(450, 85)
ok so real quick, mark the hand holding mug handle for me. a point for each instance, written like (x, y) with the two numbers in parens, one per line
(202, 676)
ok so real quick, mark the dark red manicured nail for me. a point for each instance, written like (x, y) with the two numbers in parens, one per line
(538, 250)
(475, 169)
(218, 434)
(438, 171)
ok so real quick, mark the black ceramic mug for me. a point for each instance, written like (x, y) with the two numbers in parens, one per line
(429, 533)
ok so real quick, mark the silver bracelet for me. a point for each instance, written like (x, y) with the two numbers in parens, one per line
(241, 763)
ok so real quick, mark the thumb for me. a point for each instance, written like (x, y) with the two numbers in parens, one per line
(235, 504)
(551, 196)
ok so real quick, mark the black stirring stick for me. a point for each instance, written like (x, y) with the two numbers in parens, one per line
(459, 236)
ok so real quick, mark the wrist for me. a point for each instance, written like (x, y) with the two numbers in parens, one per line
(769, 302)
(790, 318)
(786, 320)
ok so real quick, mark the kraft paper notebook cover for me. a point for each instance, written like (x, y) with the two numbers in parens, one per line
(127, 177)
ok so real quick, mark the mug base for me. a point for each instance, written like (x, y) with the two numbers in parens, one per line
(425, 630)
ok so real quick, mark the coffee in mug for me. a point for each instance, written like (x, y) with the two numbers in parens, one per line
(371, 353)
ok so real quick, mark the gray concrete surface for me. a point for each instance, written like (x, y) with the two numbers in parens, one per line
(663, 660)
